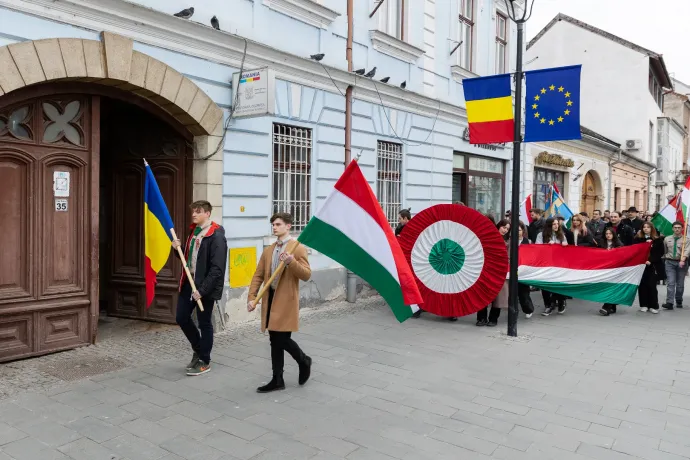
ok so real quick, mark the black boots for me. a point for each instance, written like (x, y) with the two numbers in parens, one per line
(304, 370)
(277, 383)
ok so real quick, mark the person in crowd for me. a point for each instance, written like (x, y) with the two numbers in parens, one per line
(537, 224)
(581, 235)
(624, 232)
(404, 217)
(566, 231)
(609, 242)
(206, 252)
(552, 234)
(524, 290)
(280, 316)
(596, 226)
(488, 316)
(585, 215)
(676, 257)
(633, 220)
(647, 292)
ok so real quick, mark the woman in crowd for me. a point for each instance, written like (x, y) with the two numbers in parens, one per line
(524, 290)
(552, 234)
(647, 292)
(501, 300)
(581, 235)
(610, 241)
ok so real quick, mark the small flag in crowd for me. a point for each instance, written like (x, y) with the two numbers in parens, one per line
(526, 205)
(552, 110)
(157, 236)
(351, 228)
(557, 207)
(489, 103)
(675, 210)
(584, 273)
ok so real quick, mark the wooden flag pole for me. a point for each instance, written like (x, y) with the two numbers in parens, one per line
(278, 271)
(685, 233)
(186, 270)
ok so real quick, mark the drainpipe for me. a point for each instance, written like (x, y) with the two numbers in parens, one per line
(351, 284)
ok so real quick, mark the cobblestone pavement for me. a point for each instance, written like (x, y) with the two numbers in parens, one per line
(572, 387)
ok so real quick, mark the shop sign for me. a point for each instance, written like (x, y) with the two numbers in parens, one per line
(254, 93)
(494, 147)
(555, 160)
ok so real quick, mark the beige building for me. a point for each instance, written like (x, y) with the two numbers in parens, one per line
(630, 183)
(677, 106)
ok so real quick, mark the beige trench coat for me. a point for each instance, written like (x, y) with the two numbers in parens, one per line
(285, 305)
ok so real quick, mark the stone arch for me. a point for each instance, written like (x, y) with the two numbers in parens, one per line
(592, 192)
(113, 62)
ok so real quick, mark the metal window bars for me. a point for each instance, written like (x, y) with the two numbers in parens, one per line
(292, 173)
(388, 188)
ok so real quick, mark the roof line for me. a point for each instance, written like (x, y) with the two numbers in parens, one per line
(564, 17)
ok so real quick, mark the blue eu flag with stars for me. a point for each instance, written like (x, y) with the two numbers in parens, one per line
(552, 110)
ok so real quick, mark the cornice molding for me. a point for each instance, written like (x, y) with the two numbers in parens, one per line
(387, 44)
(460, 73)
(151, 27)
(307, 11)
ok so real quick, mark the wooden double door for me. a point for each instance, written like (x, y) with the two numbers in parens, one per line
(72, 177)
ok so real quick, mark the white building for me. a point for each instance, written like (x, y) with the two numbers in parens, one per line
(677, 105)
(671, 137)
(621, 93)
(119, 81)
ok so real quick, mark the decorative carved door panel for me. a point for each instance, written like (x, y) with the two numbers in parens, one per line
(129, 135)
(588, 202)
(46, 300)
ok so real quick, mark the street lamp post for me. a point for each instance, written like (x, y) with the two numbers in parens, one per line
(519, 17)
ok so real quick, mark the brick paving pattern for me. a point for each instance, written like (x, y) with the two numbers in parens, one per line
(572, 387)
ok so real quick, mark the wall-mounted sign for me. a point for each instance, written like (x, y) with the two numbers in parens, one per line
(61, 183)
(60, 205)
(494, 147)
(254, 93)
(242, 265)
(554, 159)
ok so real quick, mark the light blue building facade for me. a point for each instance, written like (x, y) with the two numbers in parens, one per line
(412, 143)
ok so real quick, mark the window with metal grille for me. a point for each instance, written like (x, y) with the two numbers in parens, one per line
(388, 180)
(292, 173)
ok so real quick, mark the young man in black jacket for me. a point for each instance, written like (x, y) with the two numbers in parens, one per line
(206, 252)
(537, 225)
(625, 232)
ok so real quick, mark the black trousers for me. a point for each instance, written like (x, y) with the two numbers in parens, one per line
(552, 299)
(201, 338)
(280, 343)
(648, 294)
(493, 314)
(525, 299)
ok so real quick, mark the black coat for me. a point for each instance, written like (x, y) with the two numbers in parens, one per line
(625, 233)
(596, 228)
(583, 240)
(602, 244)
(210, 263)
(569, 237)
(656, 255)
(635, 224)
(535, 228)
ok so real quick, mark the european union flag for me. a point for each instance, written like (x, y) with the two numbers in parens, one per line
(553, 104)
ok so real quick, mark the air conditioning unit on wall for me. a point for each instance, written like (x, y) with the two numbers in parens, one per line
(633, 144)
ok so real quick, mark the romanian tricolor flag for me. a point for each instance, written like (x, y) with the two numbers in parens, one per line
(157, 236)
(489, 109)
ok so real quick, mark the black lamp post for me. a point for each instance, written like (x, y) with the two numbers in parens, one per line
(519, 17)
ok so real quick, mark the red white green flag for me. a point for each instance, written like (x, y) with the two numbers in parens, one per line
(351, 228)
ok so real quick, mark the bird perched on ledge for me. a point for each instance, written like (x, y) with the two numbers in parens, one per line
(317, 57)
(371, 73)
(214, 23)
(186, 13)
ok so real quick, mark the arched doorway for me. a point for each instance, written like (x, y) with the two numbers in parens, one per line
(71, 165)
(591, 193)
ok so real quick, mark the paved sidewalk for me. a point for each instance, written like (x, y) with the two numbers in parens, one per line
(571, 387)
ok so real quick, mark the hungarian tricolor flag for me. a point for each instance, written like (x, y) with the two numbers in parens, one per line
(351, 228)
(157, 236)
(584, 273)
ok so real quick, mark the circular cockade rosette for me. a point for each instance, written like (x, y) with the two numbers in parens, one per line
(458, 258)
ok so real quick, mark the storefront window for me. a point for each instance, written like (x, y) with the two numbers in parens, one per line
(485, 194)
(543, 178)
(486, 165)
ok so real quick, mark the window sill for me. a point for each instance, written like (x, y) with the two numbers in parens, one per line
(387, 44)
(460, 73)
(308, 11)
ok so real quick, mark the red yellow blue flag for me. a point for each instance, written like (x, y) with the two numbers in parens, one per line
(489, 105)
(157, 236)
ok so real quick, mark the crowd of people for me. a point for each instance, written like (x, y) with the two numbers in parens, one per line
(666, 265)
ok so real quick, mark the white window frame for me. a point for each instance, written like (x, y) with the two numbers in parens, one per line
(391, 17)
(465, 52)
(502, 43)
(291, 164)
(389, 174)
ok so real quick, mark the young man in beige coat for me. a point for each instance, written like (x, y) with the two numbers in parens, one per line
(281, 313)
